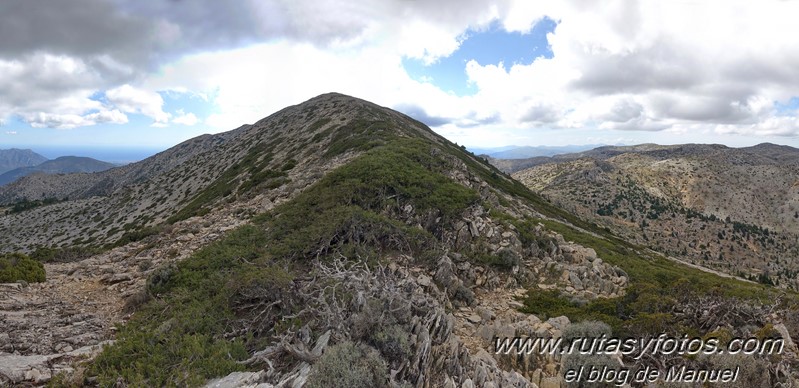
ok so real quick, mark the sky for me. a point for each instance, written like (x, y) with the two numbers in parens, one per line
(127, 74)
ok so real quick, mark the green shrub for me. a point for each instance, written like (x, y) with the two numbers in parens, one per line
(137, 235)
(507, 258)
(25, 204)
(354, 206)
(392, 341)
(318, 124)
(290, 164)
(16, 267)
(349, 365)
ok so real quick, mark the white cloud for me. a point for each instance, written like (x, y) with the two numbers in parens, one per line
(133, 100)
(68, 121)
(108, 116)
(54, 91)
(651, 66)
(185, 118)
(45, 83)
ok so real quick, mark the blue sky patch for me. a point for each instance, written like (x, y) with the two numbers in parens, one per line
(491, 46)
(189, 103)
(789, 108)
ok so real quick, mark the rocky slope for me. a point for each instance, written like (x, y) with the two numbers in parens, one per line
(334, 243)
(16, 158)
(730, 209)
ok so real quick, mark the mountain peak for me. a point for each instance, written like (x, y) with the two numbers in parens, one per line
(16, 158)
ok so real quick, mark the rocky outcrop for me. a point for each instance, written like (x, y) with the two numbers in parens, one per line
(38, 369)
(578, 271)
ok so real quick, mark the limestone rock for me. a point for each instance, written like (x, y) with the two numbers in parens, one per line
(240, 380)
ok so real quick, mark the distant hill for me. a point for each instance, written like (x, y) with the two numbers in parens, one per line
(512, 158)
(490, 150)
(16, 158)
(530, 152)
(732, 209)
(62, 165)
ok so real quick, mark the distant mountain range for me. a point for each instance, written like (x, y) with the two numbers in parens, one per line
(523, 152)
(17, 163)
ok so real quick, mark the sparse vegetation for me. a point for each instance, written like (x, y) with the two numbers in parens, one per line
(64, 255)
(349, 365)
(25, 204)
(137, 234)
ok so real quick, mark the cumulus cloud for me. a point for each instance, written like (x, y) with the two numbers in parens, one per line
(420, 114)
(132, 100)
(185, 118)
(652, 66)
(67, 121)
(540, 114)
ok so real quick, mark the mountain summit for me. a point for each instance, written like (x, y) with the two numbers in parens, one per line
(336, 243)
(17, 158)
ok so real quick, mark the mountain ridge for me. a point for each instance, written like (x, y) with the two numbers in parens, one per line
(782, 153)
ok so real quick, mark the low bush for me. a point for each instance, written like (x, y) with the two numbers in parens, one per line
(392, 341)
(349, 365)
(15, 267)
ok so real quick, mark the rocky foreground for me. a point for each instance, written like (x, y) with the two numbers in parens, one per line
(50, 327)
